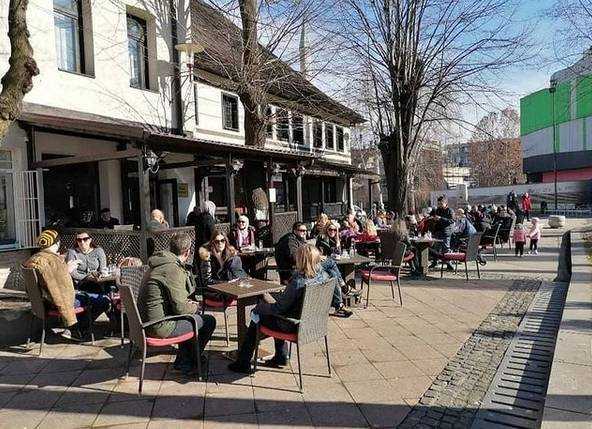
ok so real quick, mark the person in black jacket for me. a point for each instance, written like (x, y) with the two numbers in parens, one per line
(443, 210)
(328, 240)
(204, 221)
(285, 250)
(441, 229)
(219, 261)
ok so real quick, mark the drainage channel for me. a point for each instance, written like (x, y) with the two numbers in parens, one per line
(516, 397)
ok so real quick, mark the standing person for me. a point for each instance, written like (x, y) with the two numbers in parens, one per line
(526, 205)
(512, 201)
(165, 292)
(443, 210)
(519, 239)
(205, 222)
(534, 234)
(157, 221)
(56, 283)
(105, 220)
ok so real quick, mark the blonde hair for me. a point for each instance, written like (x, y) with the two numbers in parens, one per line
(308, 260)
(322, 219)
(370, 228)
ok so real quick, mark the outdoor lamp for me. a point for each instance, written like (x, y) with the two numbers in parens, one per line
(151, 161)
(236, 165)
(190, 49)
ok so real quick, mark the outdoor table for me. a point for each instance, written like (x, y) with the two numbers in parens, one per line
(254, 260)
(422, 245)
(245, 296)
(347, 267)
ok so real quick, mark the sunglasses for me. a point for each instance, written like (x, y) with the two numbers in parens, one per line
(332, 229)
(302, 230)
(220, 241)
(80, 240)
(241, 221)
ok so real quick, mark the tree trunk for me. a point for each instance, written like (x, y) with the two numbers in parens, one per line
(255, 124)
(18, 80)
(395, 169)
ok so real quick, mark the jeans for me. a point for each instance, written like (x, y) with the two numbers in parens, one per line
(534, 244)
(247, 348)
(205, 328)
(100, 303)
(519, 248)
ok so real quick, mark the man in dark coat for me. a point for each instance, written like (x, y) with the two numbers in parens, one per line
(285, 250)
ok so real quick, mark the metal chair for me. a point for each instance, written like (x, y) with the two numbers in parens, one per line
(214, 303)
(388, 267)
(312, 325)
(494, 241)
(132, 277)
(471, 254)
(139, 340)
(42, 311)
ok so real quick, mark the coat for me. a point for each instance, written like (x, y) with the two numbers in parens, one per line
(285, 254)
(249, 241)
(210, 271)
(526, 203)
(55, 282)
(165, 292)
(327, 245)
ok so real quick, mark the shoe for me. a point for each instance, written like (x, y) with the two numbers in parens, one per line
(536, 252)
(240, 368)
(273, 363)
(343, 311)
(72, 335)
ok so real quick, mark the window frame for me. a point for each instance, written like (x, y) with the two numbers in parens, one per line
(279, 124)
(78, 20)
(340, 143)
(269, 127)
(227, 96)
(317, 134)
(300, 130)
(331, 127)
(143, 23)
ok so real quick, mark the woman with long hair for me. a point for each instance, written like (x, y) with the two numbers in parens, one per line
(310, 268)
(219, 261)
(320, 225)
(328, 242)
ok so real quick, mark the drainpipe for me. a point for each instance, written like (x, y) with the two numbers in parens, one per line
(177, 111)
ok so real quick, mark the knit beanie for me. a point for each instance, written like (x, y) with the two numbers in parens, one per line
(48, 238)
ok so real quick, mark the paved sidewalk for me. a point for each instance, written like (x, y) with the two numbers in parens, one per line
(383, 358)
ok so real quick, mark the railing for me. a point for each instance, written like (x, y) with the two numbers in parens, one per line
(282, 224)
(570, 213)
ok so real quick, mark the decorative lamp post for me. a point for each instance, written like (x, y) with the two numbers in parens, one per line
(552, 90)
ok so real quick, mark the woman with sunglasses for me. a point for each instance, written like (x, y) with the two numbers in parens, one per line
(243, 235)
(219, 261)
(91, 261)
(328, 241)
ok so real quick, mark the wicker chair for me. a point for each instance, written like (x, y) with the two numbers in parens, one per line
(132, 277)
(139, 339)
(492, 240)
(388, 266)
(312, 325)
(471, 254)
(41, 311)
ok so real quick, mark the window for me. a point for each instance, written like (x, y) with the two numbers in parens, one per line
(340, 139)
(67, 18)
(297, 129)
(230, 112)
(137, 42)
(329, 136)
(270, 121)
(283, 125)
(317, 134)
(7, 214)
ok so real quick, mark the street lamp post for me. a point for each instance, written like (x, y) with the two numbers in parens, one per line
(552, 89)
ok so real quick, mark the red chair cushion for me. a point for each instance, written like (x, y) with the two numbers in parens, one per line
(219, 303)
(161, 342)
(287, 336)
(454, 256)
(54, 312)
(379, 275)
(409, 257)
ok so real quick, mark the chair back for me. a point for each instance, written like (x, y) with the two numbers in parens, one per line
(34, 292)
(473, 246)
(497, 230)
(133, 277)
(387, 245)
(399, 254)
(314, 317)
(136, 331)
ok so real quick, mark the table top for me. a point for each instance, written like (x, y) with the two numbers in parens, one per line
(245, 288)
(108, 278)
(352, 260)
(424, 240)
(256, 251)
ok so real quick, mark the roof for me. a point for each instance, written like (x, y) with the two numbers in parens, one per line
(222, 41)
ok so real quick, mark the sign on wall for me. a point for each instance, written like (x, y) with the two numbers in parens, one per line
(183, 190)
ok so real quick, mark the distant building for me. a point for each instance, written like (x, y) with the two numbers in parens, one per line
(456, 168)
(556, 126)
(370, 160)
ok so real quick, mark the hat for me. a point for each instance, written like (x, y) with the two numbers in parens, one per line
(48, 238)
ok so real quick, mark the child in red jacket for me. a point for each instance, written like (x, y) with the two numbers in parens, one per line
(519, 239)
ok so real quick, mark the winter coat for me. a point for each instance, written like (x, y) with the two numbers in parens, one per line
(285, 254)
(526, 204)
(211, 271)
(55, 282)
(249, 241)
(519, 236)
(165, 292)
(327, 245)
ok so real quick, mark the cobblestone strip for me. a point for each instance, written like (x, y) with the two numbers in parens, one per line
(454, 398)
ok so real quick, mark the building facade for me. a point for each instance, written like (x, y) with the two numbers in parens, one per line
(556, 126)
(117, 119)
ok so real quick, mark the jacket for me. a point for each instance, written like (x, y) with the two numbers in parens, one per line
(210, 271)
(526, 204)
(327, 245)
(520, 236)
(249, 241)
(165, 292)
(55, 282)
(205, 225)
(93, 261)
(285, 253)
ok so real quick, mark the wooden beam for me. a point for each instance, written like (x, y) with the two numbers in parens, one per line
(144, 190)
(230, 202)
(70, 160)
(299, 207)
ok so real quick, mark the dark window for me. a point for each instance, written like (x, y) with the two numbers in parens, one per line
(230, 112)
(67, 19)
(283, 125)
(270, 121)
(137, 42)
(297, 129)
(330, 187)
(329, 136)
(340, 140)
(318, 133)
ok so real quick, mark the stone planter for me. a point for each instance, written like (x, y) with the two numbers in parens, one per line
(556, 221)
(15, 319)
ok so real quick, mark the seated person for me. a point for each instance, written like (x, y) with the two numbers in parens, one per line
(157, 221)
(401, 233)
(328, 242)
(91, 261)
(320, 225)
(441, 229)
(309, 269)
(243, 235)
(165, 292)
(57, 287)
(106, 221)
(463, 229)
(411, 224)
(219, 261)
(380, 220)
(349, 230)
(285, 250)
(367, 241)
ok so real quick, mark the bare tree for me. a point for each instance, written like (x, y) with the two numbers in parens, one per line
(574, 33)
(18, 80)
(504, 124)
(496, 162)
(417, 61)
